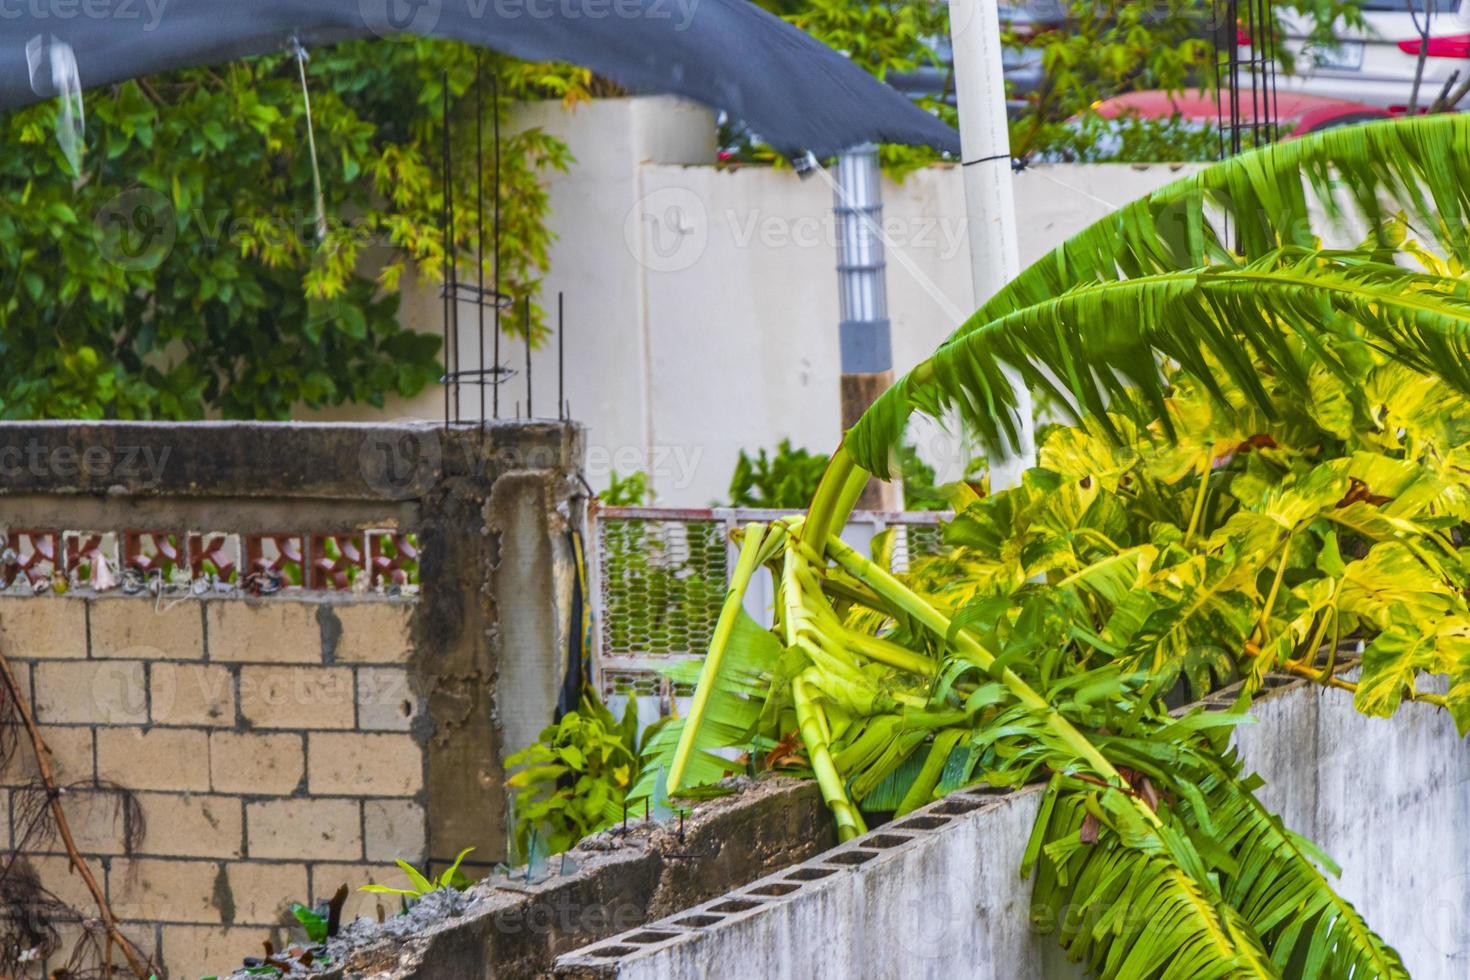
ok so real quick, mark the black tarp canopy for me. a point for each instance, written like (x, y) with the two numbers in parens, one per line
(797, 93)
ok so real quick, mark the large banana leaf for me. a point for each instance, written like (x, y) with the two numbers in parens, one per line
(1255, 204)
(1092, 346)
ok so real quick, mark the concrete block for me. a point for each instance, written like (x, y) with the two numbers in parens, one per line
(167, 890)
(57, 877)
(191, 694)
(375, 632)
(97, 818)
(394, 830)
(71, 756)
(192, 825)
(138, 628)
(91, 692)
(206, 951)
(300, 829)
(297, 697)
(43, 627)
(327, 878)
(262, 893)
(154, 758)
(354, 764)
(385, 702)
(272, 630)
(265, 764)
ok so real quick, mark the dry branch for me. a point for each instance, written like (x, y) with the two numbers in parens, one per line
(136, 962)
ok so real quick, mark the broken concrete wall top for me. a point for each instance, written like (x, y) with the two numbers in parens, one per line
(615, 881)
(335, 461)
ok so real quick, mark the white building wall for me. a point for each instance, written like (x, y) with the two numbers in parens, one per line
(702, 302)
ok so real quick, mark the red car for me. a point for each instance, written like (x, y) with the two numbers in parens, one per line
(1295, 112)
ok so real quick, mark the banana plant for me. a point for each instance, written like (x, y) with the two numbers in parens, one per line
(1265, 456)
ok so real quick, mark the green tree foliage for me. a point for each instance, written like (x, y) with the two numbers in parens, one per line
(785, 478)
(1088, 51)
(179, 272)
(788, 477)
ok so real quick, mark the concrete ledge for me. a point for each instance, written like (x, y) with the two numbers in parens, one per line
(621, 880)
(938, 893)
(336, 461)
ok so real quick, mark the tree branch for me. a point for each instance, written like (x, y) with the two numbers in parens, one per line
(136, 961)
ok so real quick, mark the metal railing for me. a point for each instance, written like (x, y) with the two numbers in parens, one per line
(659, 577)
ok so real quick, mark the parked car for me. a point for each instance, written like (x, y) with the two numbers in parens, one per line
(1295, 113)
(1376, 65)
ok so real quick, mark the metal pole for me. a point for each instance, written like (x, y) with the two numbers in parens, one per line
(480, 224)
(990, 204)
(444, 234)
(561, 356)
(530, 412)
(495, 136)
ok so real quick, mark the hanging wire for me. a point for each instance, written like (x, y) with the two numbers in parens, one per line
(316, 174)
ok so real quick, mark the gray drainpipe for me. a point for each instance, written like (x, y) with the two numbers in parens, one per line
(861, 279)
(864, 333)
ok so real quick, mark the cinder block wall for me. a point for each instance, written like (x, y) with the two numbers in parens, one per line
(268, 744)
(226, 755)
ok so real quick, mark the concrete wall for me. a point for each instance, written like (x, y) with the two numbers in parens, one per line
(937, 894)
(702, 302)
(229, 754)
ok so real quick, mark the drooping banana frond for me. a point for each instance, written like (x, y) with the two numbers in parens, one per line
(1277, 886)
(1113, 898)
(1265, 199)
(1283, 195)
(1128, 911)
(1098, 344)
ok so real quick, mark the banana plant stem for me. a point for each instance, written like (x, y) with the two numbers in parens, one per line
(882, 582)
(1199, 500)
(820, 515)
(745, 566)
(808, 715)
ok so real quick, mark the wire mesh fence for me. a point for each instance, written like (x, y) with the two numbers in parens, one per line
(660, 577)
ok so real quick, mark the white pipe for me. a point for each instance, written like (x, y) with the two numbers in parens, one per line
(990, 203)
